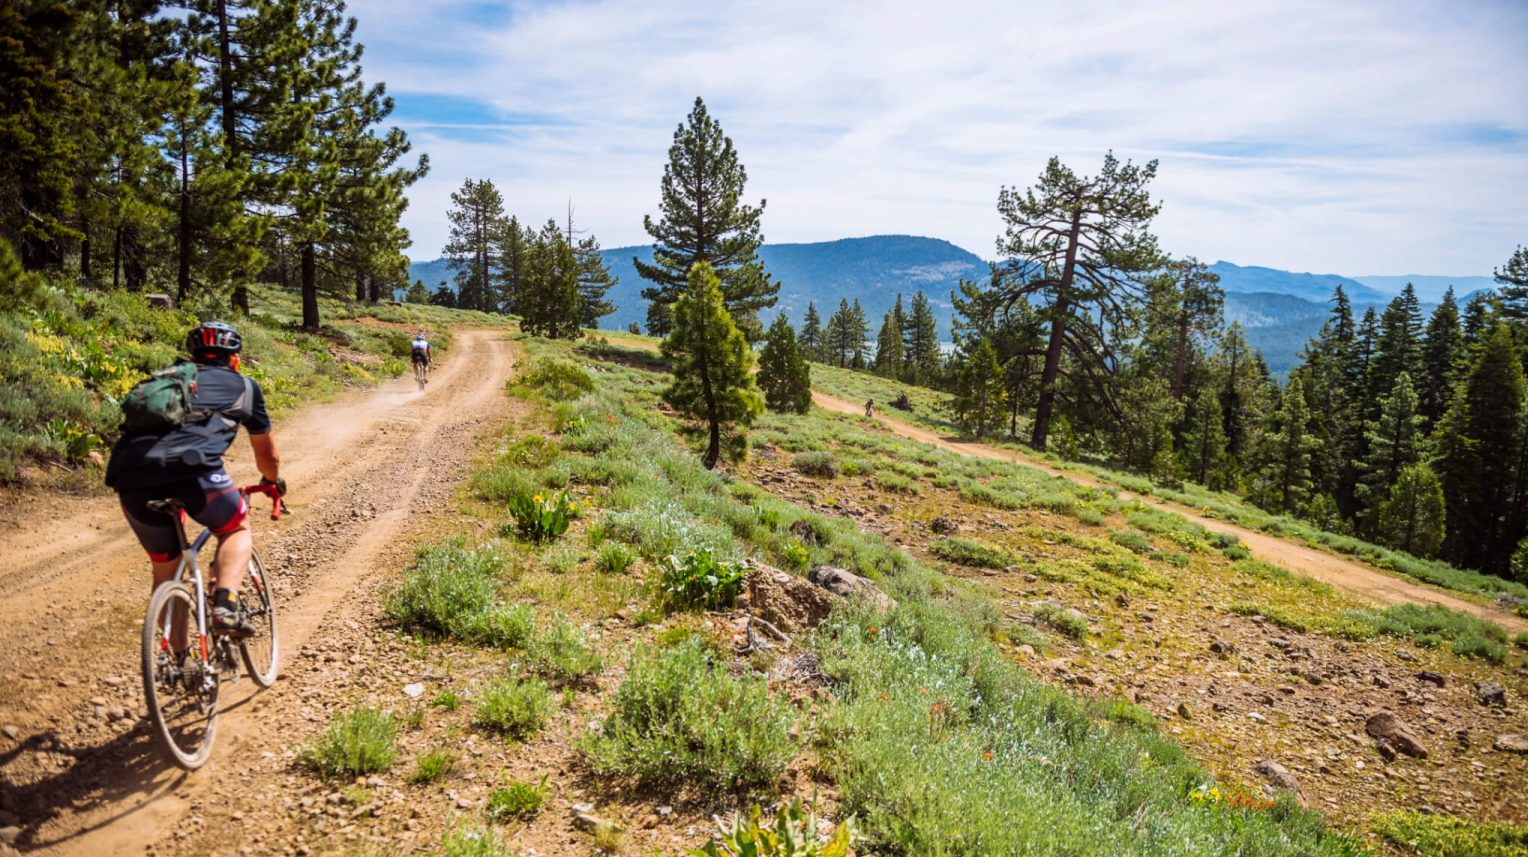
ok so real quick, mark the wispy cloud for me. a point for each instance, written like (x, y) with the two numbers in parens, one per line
(1379, 136)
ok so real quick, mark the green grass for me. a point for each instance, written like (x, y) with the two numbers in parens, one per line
(468, 841)
(1064, 619)
(560, 653)
(432, 766)
(452, 590)
(970, 553)
(357, 742)
(516, 801)
(512, 708)
(680, 717)
(1432, 626)
(1446, 836)
(817, 463)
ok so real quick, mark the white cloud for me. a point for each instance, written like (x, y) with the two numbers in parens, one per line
(1359, 137)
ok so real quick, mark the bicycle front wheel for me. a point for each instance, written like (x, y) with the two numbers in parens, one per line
(261, 651)
(181, 689)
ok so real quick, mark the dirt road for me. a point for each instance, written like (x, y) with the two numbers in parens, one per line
(80, 774)
(1338, 571)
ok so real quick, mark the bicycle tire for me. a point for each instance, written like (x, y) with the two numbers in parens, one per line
(259, 601)
(188, 747)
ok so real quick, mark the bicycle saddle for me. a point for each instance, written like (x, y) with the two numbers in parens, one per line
(167, 507)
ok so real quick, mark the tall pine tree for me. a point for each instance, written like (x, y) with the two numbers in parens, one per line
(713, 367)
(1443, 356)
(784, 375)
(704, 219)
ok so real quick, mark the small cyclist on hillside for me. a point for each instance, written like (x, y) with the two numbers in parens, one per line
(420, 353)
(177, 425)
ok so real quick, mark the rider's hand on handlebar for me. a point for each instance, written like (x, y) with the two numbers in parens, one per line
(279, 482)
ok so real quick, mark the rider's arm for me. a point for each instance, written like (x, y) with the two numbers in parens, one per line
(267, 459)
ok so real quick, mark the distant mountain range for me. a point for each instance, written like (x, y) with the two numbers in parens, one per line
(1279, 309)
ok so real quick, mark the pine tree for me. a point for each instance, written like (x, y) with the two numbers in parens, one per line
(1285, 453)
(1478, 450)
(416, 293)
(1413, 516)
(1443, 356)
(594, 278)
(922, 348)
(838, 339)
(888, 346)
(1480, 314)
(859, 331)
(512, 247)
(784, 375)
(1399, 346)
(1184, 306)
(1242, 394)
(1203, 446)
(472, 250)
(1077, 248)
(1395, 442)
(979, 403)
(705, 220)
(1514, 285)
(551, 302)
(712, 365)
(812, 337)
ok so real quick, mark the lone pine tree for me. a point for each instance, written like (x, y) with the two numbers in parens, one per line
(712, 365)
(704, 219)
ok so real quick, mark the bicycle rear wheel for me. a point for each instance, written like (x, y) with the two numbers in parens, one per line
(263, 650)
(181, 691)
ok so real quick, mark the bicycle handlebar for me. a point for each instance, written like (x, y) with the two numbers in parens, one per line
(277, 504)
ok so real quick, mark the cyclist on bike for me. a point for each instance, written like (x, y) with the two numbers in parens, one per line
(186, 464)
(421, 352)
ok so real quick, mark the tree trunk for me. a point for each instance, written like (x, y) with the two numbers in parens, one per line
(714, 444)
(309, 287)
(360, 288)
(116, 258)
(85, 270)
(240, 299)
(225, 80)
(183, 232)
(134, 275)
(1179, 362)
(374, 288)
(1047, 400)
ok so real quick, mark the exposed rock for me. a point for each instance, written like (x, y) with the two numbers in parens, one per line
(803, 530)
(160, 301)
(594, 823)
(1431, 677)
(1280, 778)
(11, 730)
(413, 690)
(785, 601)
(1184, 711)
(1491, 693)
(1026, 650)
(942, 526)
(1511, 744)
(1220, 647)
(1385, 725)
(1385, 749)
(848, 584)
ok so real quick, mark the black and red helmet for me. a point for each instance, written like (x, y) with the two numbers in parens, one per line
(212, 341)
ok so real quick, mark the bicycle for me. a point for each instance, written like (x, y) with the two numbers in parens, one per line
(182, 690)
(419, 375)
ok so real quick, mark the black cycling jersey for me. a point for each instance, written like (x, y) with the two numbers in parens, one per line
(197, 447)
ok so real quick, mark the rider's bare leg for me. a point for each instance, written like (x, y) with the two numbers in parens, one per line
(234, 548)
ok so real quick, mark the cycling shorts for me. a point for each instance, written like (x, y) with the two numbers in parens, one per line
(212, 500)
(421, 356)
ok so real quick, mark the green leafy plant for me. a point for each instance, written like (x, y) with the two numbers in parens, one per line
(614, 558)
(514, 709)
(357, 742)
(816, 463)
(541, 518)
(560, 653)
(517, 800)
(793, 834)
(472, 842)
(432, 766)
(700, 580)
(446, 699)
(796, 555)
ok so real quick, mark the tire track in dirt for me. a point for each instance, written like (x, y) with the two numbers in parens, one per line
(1343, 573)
(83, 780)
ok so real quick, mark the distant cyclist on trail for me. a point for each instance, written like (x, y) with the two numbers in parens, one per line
(420, 349)
(176, 427)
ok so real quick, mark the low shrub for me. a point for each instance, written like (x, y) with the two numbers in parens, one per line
(1431, 835)
(1131, 540)
(816, 463)
(795, 555)
(700, 580)
(517, 800)
(556, 379)
(541, 518)
(451, 590)
(896, 482)
(614, 558)
(432, 766)
(1064, 619)
(358, 742)
(446, 699)
(512, 708)
(560, 653)
(1521, 640)
(681, 717)
(472, 842)
(970, 553)
(1236, 552)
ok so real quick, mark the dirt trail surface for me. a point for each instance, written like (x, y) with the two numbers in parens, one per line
(1329, 568)
(79, 770)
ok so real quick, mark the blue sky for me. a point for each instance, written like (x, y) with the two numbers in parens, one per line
(1341, 136)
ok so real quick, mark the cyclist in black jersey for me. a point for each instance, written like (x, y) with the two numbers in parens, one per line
(186, 463)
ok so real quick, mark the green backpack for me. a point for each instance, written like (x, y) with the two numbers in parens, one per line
(160, 402)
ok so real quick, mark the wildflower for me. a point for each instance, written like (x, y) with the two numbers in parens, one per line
(987, 755)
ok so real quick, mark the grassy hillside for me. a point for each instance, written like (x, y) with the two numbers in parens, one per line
(614, 654)
(68, 357)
